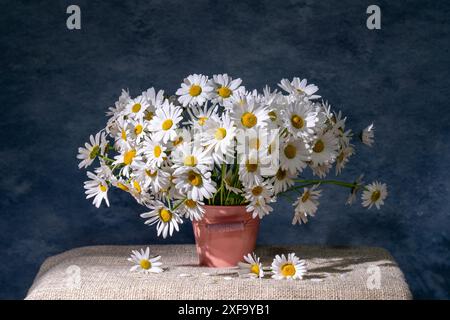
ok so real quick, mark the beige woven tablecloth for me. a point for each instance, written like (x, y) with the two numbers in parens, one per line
(102, 272)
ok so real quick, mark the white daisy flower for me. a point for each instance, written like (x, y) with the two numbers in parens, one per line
(96, 188)
(374, 194)
(250, 114)
(139, 192)
(299, 217)
(258, 192)
(300, 118)
(252, 267)
(224, 87)
(155, 152)
(126, 158)
(164, 123)
(200, 116)
(288, 268)
(293, 155)
(143, 262)
(343, 157)
(277, 104)
(324, 148)
(154, 100)
(219, 139)
(192, 209)
(195, 184)
(367, 136)
(282, 180)
(184, 135)
(188, 156)
(166, 220)
(308, 201)
(250, 169)
(121, 184)
(239, 97)
(194, 90)
(151, 178)
(137, 106)
(259, 209)
(121, 131)
(138, 127)
(104, 171)
(229, 183)
(91, 150)
(321, 170)
(299, 87)
(119, 106)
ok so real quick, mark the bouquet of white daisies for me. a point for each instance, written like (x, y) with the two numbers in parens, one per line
(216, 143)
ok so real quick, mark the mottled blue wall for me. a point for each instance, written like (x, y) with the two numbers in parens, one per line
(55, 86)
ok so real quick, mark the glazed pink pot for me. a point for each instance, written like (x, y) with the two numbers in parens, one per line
(225, 235)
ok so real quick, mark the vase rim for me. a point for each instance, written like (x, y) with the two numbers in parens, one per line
(221, 206)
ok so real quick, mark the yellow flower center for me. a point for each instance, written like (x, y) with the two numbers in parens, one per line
(137, 186)
(121, 186)
(254, 269)
(190, 203)
(306, 196)
(128, 157)
(190, 161)
(375, 196)
(136, 107)
(195, 90)
(300, 91)
(273, 116)
(167, 124)
(148, 115)
(288, 270)
(256, 191)
(138, 129)
(94, 152)
(220, 134)
(102, 188)
(202, 121)
(281, 174)
(145, 264)
(290, 151)
(250, 166)
(224, 92)
(124, 134)
(150, 174)
(194, 178)
(165, 215)
(157, 151)
(178, 141)
(249, 120)
(297, 121)
(318, 146)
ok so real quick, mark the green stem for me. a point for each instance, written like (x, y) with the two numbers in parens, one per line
(335, 182)
(307, 183)
(179, 204)
(106, 158)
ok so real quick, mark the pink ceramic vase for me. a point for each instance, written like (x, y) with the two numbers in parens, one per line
(225, 235)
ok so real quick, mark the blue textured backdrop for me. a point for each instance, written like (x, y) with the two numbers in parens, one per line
(56, 85)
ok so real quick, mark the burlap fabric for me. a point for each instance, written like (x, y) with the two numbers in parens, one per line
(102, 272)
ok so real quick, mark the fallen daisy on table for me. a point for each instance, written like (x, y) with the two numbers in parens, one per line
(252, 267)
(143, 262)
(288, 268)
